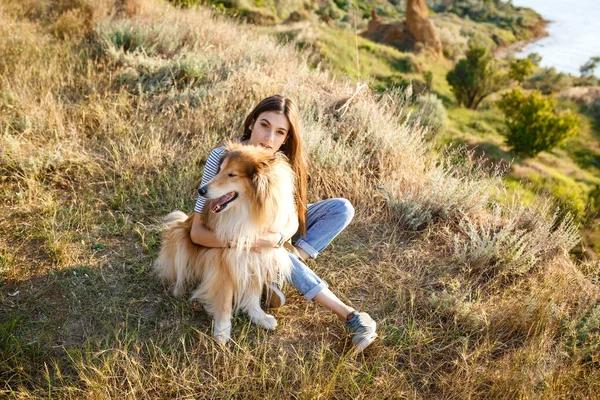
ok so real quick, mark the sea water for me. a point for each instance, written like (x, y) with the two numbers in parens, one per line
(574, 33)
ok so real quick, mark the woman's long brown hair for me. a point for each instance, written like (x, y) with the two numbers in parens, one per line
(293, 147)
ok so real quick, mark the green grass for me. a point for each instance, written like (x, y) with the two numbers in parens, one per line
(376, 63)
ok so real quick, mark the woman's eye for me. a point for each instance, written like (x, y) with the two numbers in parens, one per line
(231, 175)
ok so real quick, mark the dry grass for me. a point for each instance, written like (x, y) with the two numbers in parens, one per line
(105, 129)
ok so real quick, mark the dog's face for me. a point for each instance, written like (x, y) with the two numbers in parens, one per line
(240, 177)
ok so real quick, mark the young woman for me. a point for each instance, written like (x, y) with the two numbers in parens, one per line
(274, 125)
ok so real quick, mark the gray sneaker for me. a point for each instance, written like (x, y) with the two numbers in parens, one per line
(362, 329)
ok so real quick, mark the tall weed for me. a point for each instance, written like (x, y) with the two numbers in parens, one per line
(513, 240)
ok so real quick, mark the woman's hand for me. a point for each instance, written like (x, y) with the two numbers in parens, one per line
(266, 240)
(203, 236)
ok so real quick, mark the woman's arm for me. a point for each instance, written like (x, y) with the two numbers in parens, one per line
(199, 233)
(203, 236)
(271, 239)
(211, 168)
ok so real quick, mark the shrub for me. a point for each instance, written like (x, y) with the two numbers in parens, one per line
(454, 42)
(547, 81)
(535, 58)
(533, 124)
(77, 17)
(588, 68)
(520, 69)
(594, 199)
(475, 77)
(513, 241)
(433, 112)
(70, 24)
(332, 10)
(128, 7)
(458, 185)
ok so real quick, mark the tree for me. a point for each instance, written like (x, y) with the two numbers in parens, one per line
(533, 123)
(475, 77)
(520, 69)
(588, 68)
(535, 58)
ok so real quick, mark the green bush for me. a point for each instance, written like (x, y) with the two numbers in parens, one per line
(590, 66)
(548, 80)
(533, 123)
(520, 69)
(434, 115)
(454, 39)
(535, 58)
(475, 77)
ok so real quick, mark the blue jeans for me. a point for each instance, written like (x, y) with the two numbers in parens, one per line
(324, 221)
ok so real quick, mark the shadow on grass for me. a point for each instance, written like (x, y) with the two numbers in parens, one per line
(490, 153)
(82, 320)
(594, 116)
(446, 101)
(46, 320)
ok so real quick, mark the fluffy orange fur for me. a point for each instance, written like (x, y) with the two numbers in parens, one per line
(229, 279)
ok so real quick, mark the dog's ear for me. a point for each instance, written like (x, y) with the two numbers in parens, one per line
(260, 181)
(261, 175)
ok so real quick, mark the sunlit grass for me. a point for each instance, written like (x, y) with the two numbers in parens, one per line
(105, 131)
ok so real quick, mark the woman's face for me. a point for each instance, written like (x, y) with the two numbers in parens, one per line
(269, 130)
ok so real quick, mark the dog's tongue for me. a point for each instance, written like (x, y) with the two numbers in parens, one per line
(219, 204)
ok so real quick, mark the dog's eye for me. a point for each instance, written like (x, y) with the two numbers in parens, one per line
(231, 175)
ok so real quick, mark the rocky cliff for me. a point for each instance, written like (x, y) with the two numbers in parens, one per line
(417, 32)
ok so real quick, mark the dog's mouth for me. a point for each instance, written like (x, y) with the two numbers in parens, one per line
(221, 203)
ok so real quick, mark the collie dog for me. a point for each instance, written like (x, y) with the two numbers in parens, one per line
(253, 193)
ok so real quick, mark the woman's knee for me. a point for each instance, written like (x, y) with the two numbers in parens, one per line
(345, 208)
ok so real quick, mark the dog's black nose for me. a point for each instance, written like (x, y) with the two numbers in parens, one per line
(202, 191)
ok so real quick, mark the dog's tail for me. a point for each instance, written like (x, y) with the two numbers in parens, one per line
(175, 216)
(172, 259)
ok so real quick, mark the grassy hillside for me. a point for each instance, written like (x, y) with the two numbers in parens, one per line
(107, 116)
(570, 175)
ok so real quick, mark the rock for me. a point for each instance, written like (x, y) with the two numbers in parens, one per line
(374, 22)
(395, 34)
(298, 16)
(421, 27)
(416, 33)
(328, 20)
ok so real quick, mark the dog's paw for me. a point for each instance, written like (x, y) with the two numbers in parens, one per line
(267, 321)
(222, 334)
(178, 291)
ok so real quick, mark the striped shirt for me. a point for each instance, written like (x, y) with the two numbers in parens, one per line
(211, 168)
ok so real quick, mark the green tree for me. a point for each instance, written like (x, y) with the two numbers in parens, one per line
(475, 77)
(588, 68)
(520, 69)
(533, 123)
(535, 58)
